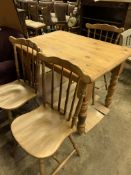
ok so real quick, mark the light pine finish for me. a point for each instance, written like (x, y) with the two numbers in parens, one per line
(15, 94)
(93, 57)
(114, 78)
(41, 131)
(125, 40)
(26, 62)
(107, 33)
(104, 32)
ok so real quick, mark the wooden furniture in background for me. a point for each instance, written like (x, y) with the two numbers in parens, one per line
(60, 9)
(125, 40)
(17, 93)
(93, 57)
(113, 12)
(41, 132)
(104, 32)
(33, 22)
(22, 17)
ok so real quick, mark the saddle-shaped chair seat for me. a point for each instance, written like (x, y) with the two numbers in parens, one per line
(41, 131)
(15, 94)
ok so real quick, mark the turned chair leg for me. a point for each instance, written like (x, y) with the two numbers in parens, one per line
(14, 146)
(105, 80)
(42, 167)
(93, 94)
(74, 145)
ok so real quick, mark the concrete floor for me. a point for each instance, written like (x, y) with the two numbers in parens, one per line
(105, 150)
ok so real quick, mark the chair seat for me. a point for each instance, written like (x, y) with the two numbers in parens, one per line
(15, 94)
(52, 14)
(34, 24)
(41, 131)
(55, 20)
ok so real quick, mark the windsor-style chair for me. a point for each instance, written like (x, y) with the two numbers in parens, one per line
(125, 40)
(104, 32)
(41, 131)
(17, 93)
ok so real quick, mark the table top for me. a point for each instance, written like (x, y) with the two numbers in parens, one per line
(93, 57)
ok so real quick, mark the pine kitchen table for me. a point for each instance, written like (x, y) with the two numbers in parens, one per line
(93, 57)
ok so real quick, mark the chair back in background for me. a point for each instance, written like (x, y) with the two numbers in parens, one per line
(60, 10)
(48, 4)
(33, 11)
(104, 32)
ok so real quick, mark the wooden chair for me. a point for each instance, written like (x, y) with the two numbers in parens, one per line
(33, 23)
(41, 131)
(104, 32)
(60, 9)
(48, 4)
(125, 40)
(33, 11)
(15, 94)
(46, 18)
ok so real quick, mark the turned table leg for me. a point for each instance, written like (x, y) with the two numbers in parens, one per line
(83, 112)
(42, 167)
(113, 82)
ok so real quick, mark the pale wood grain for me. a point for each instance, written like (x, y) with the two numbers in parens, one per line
(94, 57)
(125, 40)
(15, 94)
(41, 131)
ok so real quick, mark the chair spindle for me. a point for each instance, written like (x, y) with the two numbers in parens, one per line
(60, 94)
(52, 88)
(68, 92)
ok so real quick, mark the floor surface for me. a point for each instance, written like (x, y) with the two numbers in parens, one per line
(105, 150)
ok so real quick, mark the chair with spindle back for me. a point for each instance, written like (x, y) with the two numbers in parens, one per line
(104, 32)
(15, 94)
(125, 40)
(41, 131)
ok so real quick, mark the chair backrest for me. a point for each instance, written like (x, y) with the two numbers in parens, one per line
(71, 8)
(26, 53)
(125, 38)
(33, 11)
(104, 32)
(46, 16)
(60, 10)
(48, 4)
(72, 84)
